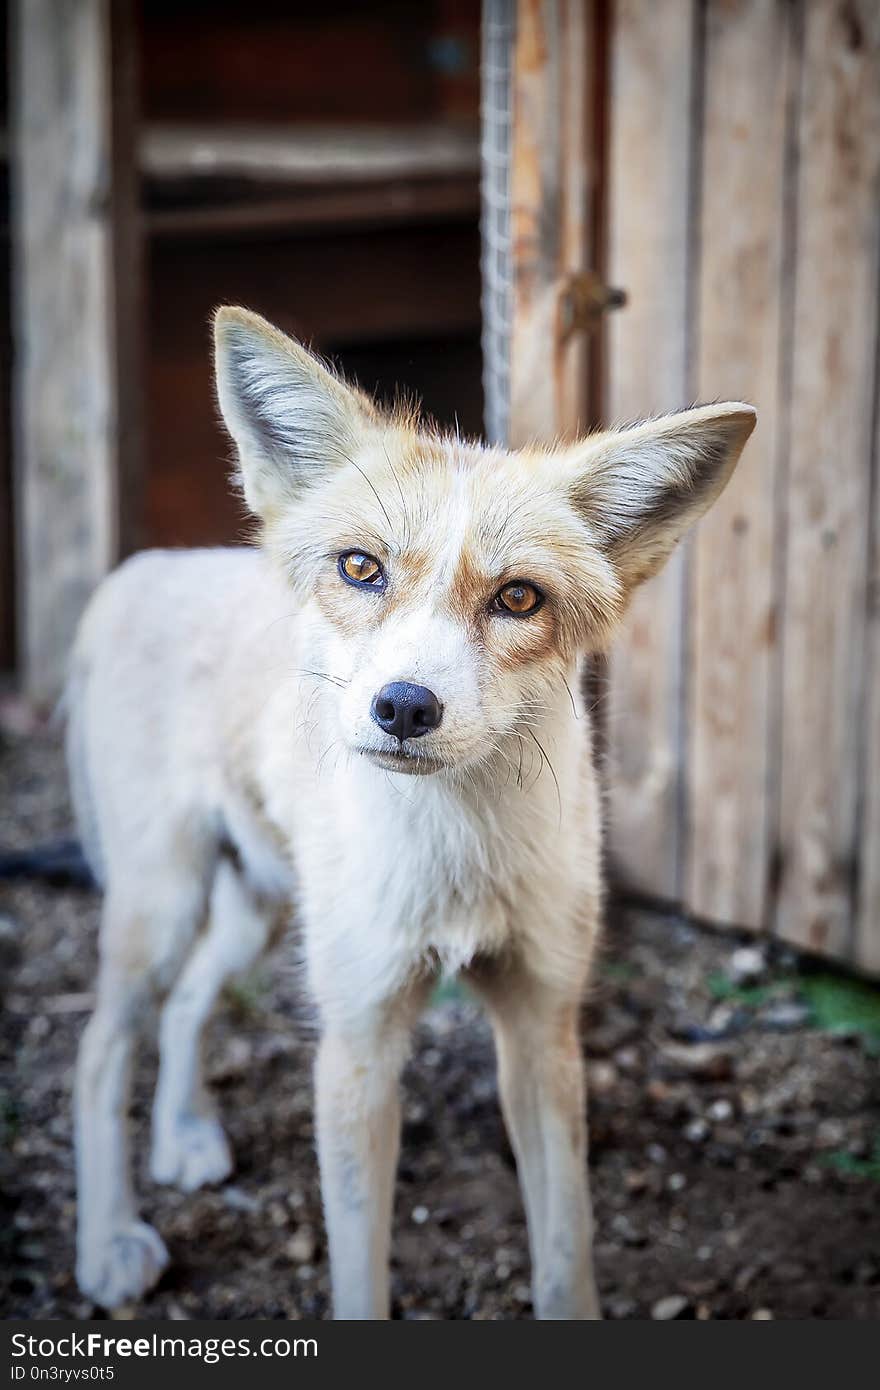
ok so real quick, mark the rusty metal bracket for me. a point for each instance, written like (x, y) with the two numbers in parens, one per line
(585, 298)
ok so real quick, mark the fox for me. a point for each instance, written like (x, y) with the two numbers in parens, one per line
(369, 721)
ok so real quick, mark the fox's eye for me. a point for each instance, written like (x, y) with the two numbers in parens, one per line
(362, 570)
(518, 598)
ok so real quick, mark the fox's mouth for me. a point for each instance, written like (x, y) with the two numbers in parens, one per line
(402, 760)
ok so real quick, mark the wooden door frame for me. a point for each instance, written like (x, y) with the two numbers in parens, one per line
(77, 315)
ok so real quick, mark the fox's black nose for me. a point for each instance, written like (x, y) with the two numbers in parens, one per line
(406, 711)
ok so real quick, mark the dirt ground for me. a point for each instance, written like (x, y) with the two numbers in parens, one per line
(734, 1159)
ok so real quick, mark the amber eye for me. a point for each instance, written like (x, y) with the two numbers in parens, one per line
(518, 598)
(360, 569)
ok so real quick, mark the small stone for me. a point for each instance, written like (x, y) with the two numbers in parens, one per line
(656, 1153)
(705, 1061)
(420, 1215)
(762, 1315)
(636, 1180)
(627, 1058)
(727, 1020)
(238, 1200)
(676, 1181)
(620, 1308)
(696, 1130)
(668, 1309)
(603, 1077)
(720, 1111)
(786, 1016)
(685, 1030)
(751, 1101)
(747, 965)
(830, 1134)
(300, 1249)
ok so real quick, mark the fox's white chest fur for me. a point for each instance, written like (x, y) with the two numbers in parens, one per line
(413, 873)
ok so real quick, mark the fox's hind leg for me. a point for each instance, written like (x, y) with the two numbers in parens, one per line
(189, 1146)
(148, 925)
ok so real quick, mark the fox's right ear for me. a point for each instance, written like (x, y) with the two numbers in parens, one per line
(291, 419)
(639, 489)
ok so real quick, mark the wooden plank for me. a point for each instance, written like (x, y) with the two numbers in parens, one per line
(552, 173)
(867, 942)
(749, 76)
(7, 529)
(73, 248)
(125, 240)
(649, 191)
(296, 155)
(828, 492)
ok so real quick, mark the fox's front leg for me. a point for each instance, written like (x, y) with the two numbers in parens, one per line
(358, 1126)
(543, 1095)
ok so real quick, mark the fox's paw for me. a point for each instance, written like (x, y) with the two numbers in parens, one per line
(122, 1266)
(192, 1153)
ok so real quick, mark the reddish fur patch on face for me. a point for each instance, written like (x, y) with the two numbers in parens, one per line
(470, 591)
(510, 641)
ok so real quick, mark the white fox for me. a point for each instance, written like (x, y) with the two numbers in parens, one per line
(244, 730)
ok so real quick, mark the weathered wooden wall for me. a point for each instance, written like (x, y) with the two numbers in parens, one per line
(734, 149)
(552, 185)
(649, 167)
(744, 223)
(75, 267)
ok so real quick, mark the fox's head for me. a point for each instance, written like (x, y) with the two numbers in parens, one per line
(455, 585)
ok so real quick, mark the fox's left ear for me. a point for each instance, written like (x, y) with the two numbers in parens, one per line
(292, 420)
(640, 489)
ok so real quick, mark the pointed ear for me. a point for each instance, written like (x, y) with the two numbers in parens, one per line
(640, 489)
(291, 419)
